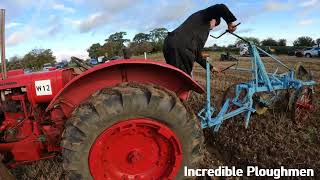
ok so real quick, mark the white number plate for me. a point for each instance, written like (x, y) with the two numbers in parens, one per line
(43, 87)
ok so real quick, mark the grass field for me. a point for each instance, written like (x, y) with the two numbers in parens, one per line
(222, 81)
(272, 139)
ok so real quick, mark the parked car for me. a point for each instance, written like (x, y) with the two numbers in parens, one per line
(311, 52)
(291, 53)
(93, 61)
(299, 52)
(27, 70)
(101, 59)
(62, 64)
(112, 58)
(244, 50)
(47, 66)
(115, 58)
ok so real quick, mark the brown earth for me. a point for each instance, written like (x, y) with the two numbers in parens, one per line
(272, 139)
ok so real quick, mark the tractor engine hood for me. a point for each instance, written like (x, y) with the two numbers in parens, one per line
(41, 87)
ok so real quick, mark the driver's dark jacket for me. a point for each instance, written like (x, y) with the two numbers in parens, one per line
(183, 46)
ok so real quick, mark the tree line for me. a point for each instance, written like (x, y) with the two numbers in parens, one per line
(141, 42)
(271, 45)
(33, 60)
(303, 41)
(153, 42)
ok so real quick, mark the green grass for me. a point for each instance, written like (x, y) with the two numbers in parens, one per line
(158, 56)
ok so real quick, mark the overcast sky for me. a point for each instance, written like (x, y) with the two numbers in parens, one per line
(69, 27)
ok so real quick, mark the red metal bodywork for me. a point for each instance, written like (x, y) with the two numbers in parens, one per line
(35, 130)
(58, 78)
(25, 135)
(14, 72)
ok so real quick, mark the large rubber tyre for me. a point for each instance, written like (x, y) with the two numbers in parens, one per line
(126, 101)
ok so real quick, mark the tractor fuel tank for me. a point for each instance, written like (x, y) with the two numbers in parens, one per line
(41, 87)
(44, 86)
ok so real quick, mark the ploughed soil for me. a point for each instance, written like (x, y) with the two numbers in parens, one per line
(272, 140)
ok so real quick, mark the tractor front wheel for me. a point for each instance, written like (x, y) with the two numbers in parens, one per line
(131, 132)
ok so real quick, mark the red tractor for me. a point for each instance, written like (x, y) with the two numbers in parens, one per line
(125, 119)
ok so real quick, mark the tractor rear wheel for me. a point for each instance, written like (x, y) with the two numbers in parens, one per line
(131, 131)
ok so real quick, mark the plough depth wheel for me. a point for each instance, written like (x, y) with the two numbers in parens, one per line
(301, 100)
(302, 104)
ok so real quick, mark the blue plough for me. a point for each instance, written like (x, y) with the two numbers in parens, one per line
(261, 82)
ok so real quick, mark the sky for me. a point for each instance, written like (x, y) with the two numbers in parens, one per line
(69, 27)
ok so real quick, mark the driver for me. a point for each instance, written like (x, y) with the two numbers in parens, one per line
(183, 46)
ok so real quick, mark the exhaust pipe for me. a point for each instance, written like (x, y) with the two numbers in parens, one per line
(3, 50)
(4, 172)
(2, 44)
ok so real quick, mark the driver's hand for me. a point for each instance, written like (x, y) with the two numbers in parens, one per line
(232, 27)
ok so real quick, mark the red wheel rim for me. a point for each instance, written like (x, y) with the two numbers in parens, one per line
(139, 149)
